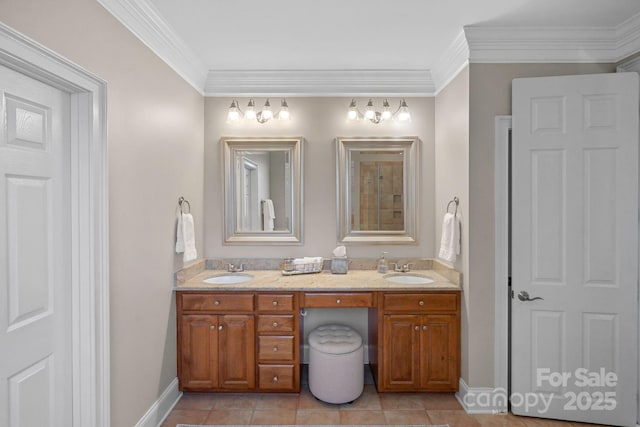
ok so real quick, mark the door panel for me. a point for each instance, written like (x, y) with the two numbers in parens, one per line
(439, 352)
(199, 352)
(35, 284)
(401, 368)
(237, 352)
(575, 245)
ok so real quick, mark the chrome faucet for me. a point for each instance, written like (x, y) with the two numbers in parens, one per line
(231, 268)
(404, 268)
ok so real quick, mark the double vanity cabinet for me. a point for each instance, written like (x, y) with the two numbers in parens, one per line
(251, 339)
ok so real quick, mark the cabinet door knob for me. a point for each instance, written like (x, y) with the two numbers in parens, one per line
(275, 379)
(421, 303)
(275, 349)
(212, 327)
(274, 303)
(338, 301)
(220, 327)
(417, 328)
(424, 327)
(217, 302)
(275, 324)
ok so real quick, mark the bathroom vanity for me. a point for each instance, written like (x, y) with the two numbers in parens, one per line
(248, 336)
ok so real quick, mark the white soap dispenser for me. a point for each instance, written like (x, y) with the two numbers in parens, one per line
(383, 267)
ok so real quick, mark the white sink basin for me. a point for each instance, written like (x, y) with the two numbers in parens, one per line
(408, 279)
(229, 278)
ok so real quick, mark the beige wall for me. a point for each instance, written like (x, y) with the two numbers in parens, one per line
(155, 126)
(490, 95)
(319, 121)
(452, 179)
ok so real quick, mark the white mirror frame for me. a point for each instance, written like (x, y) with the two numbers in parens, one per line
(234, 236)
(410, 147)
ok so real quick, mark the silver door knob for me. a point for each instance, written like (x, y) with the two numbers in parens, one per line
(524, 296)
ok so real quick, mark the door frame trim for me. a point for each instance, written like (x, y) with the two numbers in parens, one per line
(89, 218)
(501, 217)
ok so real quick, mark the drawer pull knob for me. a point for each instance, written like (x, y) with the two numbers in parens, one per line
(275, 379)
(274, 303)
(338, 301)
(275, 349)
(275, 324)
(217, 302)
(421, 303)
(417, 328)
(220, 327)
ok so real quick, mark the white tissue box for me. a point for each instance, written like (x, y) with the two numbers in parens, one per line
(339, 265)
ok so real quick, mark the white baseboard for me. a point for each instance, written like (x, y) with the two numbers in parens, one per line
(305, 354)
(482, 400)
(161, 407)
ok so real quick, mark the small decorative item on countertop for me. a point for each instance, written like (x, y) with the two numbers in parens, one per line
(305, 265)
(339, 261)
(288, 265)
(383, 266)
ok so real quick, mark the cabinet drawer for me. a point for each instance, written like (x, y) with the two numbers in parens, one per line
(276, 323)
(272, 348)
(420, 302)
(276, 377)
(276, 302)
(219, 302)
(338, 299)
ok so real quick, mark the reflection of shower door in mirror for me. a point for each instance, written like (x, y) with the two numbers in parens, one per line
(381, 189)
(250, 212)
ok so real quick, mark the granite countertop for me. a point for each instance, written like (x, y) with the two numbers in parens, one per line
(354, 280)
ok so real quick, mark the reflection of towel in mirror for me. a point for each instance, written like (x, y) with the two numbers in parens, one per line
(450, 242)
(268, 215)
(186, 238)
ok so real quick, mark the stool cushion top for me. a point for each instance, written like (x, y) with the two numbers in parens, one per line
(335, 339)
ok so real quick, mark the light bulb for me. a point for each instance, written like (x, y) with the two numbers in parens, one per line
(250, 112)
(266, 112)
(369, 113)
(283, 114)
(403, 112)
(352, 114)
(386, 111)
(234, 113)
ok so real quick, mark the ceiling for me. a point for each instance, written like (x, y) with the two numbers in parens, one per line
(407, 45)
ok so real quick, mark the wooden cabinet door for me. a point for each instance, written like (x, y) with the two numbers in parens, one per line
(199, 352)
(439, 343)
(401, 344)
(237, 365)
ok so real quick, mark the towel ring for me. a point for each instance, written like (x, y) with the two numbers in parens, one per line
(181, 201)
(455, 200)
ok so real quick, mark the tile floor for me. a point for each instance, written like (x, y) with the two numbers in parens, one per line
(369, 408)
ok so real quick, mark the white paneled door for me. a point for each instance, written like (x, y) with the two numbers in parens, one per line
(35, 273)
(575, 248)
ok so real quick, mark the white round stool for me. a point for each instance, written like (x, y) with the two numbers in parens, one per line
(336, 363)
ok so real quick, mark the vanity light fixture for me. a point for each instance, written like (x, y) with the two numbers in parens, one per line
(401, 115)
(235, 114)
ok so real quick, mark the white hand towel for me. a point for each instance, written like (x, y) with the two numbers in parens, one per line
(450, 241)
(186, 238)
(179, 235)
(268, 215)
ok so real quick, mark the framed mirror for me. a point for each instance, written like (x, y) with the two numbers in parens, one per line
(377, 189)
(262, 180)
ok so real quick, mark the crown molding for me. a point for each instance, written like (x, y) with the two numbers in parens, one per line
(455, 58)
(319, 83)
(628, 37)
(535, 44)
(144, 21)
(474, 44)
(630, 65)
